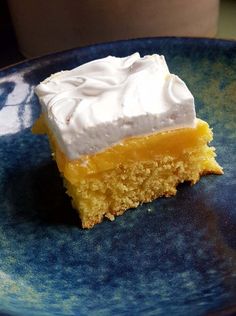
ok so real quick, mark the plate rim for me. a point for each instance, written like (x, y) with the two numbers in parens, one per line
(49, 55)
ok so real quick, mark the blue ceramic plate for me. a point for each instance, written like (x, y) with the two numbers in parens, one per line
(174, 256)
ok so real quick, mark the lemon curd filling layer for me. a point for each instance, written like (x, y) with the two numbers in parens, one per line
(136, 170)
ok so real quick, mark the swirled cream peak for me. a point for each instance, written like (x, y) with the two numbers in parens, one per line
(98, 104)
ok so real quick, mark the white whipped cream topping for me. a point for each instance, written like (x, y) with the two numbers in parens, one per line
(100, 103)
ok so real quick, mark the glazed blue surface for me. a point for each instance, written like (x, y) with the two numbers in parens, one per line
(173, 256)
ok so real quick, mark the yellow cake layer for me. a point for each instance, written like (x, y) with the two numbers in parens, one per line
(137, 170)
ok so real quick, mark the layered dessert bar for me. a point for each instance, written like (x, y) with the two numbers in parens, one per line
(123, 131)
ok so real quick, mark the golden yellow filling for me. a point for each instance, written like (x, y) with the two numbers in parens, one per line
(137, 170)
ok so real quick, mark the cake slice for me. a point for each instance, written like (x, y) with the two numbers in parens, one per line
(123, 131)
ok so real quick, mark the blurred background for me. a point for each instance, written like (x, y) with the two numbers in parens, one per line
(30, 28)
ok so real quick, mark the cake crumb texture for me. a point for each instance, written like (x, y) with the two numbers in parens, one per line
(112, 193)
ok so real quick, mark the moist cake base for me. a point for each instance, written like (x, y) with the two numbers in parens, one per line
(137, 170)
